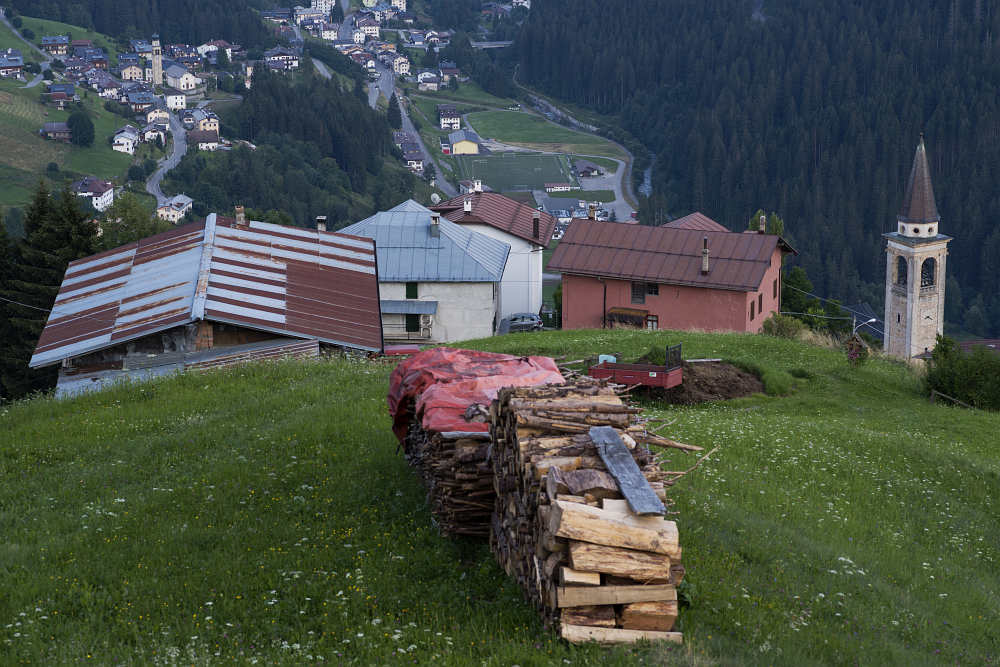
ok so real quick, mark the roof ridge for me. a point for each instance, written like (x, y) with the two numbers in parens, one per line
(204, 270)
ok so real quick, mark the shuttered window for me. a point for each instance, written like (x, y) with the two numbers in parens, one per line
(638, 292)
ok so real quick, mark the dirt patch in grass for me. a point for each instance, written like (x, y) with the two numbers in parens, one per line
(607, 149)
(708, 381)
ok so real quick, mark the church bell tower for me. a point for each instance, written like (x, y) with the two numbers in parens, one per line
(915, 263)
(157, 61)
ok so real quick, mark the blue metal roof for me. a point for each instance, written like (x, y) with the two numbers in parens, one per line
(409, 307)
(407, 252)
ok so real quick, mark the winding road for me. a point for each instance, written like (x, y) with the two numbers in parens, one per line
(177, 151)
(44, 64)
(387, 85)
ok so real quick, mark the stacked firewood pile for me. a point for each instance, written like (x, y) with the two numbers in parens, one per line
(458, 477)
(565, 526)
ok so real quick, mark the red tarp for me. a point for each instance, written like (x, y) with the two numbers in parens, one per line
(445, 381)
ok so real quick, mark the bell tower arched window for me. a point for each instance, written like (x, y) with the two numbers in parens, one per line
(928, 273)
(901, 271)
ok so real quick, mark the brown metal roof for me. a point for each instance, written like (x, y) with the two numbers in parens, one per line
(919, 206)
(504, 213)
(697, 221)
(665, 255)
(297, 282)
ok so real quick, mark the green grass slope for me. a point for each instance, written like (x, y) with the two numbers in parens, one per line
(24, 154)
(263, 513)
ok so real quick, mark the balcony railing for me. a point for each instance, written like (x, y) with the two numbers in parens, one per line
(399, 332)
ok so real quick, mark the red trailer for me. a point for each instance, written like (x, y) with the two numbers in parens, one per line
(669, 375)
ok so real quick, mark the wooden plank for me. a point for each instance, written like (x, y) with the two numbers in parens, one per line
(554, 483)
(581, 596)
(625, 471)
(563, 462)
(613, 529)
(595, 482)
(657, 616)
(598, 616)
(570, 577)
(640, 565)
(578, 634)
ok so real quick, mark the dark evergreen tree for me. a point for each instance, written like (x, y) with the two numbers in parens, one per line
(393, 116)
(57, 233)
(7, 332)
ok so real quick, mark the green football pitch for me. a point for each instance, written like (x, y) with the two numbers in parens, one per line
(516, 171)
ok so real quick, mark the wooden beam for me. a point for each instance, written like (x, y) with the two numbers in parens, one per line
(577, 634)
(582, 596)
(614, 529)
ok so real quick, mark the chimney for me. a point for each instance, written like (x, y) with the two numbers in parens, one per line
(321, 223)
(591, 211)
(477, 186)
(704, 257)
(762, 229)
(468, 206)
(241, 219)
(535, 223)
(435, 225)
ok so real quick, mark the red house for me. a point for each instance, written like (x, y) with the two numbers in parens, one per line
(668, 277)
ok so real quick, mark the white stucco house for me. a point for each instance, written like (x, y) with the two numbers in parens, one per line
(527, 231)
(438, 281)
(100, 192)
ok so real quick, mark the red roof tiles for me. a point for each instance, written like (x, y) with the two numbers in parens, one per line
(504, 213)
(665, 255)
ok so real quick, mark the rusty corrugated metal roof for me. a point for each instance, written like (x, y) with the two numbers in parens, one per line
(665, 255)
(297, 282)
(504, 213)
(697, 221)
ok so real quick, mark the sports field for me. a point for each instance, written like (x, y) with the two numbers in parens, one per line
(517, 171)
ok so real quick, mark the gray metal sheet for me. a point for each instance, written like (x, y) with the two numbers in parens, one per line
(408, 252)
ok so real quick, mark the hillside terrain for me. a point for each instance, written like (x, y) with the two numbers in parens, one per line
(24, 155)
(813, 112)
(263, 513)
(176, 21)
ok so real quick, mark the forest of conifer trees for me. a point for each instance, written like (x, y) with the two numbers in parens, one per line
(813, 113)
(176, 21)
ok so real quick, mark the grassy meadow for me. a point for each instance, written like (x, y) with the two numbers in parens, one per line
(46, 28)
(530, 130)
(603, 196)
(262, 515)
(8, 40)
(24, 154)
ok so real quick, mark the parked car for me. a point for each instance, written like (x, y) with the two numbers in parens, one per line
(520, 322)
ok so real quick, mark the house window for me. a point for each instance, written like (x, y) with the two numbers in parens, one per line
(638, 292)
(411, 291)
(775, 289)
(652, 322)
(412, 323)
(752, 304)
(760, 303)
(652, 289)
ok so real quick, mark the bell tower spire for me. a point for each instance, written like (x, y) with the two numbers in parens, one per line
(914, 278)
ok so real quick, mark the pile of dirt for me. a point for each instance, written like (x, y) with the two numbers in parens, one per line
(708, 381)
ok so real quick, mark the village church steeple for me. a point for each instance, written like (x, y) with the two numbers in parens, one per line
(915, 267)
